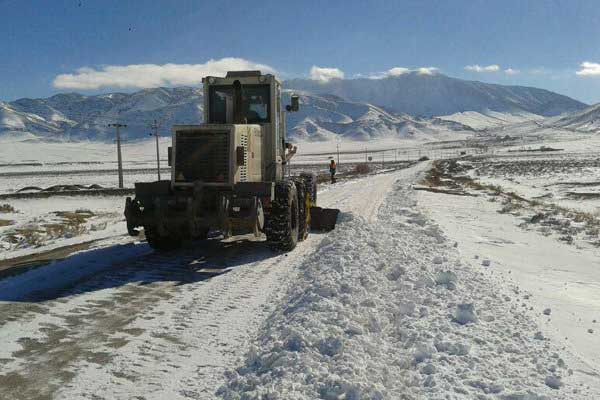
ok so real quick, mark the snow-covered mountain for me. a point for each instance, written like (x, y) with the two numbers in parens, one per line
(327, 117)
(74, 116)
(587, 120)
(356, 108)
(436, 94)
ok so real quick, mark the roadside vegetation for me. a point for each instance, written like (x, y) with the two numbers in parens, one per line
(7, 208)
(39, 231)
(567, 225)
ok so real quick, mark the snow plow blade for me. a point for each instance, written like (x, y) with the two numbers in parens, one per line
(323, 219)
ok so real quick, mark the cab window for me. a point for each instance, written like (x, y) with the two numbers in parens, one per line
(255, 100)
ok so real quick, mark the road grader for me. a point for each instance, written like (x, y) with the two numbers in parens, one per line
(231, 173)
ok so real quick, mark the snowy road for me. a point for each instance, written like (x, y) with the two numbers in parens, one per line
(132, 323)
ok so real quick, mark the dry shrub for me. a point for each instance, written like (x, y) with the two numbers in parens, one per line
(7, 208)
(362, 168)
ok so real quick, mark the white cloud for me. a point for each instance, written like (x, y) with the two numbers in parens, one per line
(479, 68)
(152, 75)
(589, 69)
(325, 74)
(427, 70)
(511, 71)
(397, 71)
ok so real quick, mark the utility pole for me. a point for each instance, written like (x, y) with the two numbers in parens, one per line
(155, 126)
(383, 159)
(119, 159)
(338, 153)
(365, 154)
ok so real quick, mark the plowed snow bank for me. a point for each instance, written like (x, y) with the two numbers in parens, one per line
(386, 309)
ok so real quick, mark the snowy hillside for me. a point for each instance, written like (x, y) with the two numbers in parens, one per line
(490, 119)
(13, 120)
(587, 120)
(437, 94)
(327, 117)
(74, 116)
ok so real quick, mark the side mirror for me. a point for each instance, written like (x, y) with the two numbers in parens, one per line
(169, 155)
(239, 153)
(295, 104)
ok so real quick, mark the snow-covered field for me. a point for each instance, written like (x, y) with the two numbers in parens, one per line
(546, 274)
(44, 164)
(415, 295)
(38, 225)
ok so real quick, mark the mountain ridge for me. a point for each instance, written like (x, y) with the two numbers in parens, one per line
(437, 94)
(323, 116)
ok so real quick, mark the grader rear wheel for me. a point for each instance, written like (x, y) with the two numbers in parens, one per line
(160, 243)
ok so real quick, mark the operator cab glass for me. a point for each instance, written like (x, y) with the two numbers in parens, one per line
(255, 101)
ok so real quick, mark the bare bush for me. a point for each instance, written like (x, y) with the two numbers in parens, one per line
(362, 168)
(7, 208)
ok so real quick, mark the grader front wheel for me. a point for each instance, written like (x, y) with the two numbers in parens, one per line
(282, 226)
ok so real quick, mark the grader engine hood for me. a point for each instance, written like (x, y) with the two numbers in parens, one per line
(216, 154)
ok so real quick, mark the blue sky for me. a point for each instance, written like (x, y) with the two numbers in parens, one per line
(99, 46)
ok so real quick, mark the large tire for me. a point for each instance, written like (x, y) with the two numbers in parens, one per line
(303, 224)
(282, 222)
(310, 182)
(202, 235)
(160, 243)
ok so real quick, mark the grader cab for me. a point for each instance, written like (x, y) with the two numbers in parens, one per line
(228, 174)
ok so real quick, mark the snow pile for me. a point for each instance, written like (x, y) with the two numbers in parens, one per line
(387, 310)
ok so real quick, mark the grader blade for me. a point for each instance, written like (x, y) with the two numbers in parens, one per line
(323, 219)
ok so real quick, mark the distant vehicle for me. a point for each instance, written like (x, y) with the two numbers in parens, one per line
(228, 174)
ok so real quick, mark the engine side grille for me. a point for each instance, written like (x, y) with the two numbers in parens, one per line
(202, 156)
(244, 168)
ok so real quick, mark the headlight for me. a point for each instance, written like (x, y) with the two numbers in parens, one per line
(211, 80)
(262, 79)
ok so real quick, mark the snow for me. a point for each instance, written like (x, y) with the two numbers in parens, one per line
(437, 94)
(555, 281)
(135, 310)
(587, 120)
(321, 117)
(10, 120)
(106, 221)
(366, 320)
(414, 295)
(490, 119)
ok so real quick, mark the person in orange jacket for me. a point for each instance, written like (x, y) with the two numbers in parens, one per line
(332, 167)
